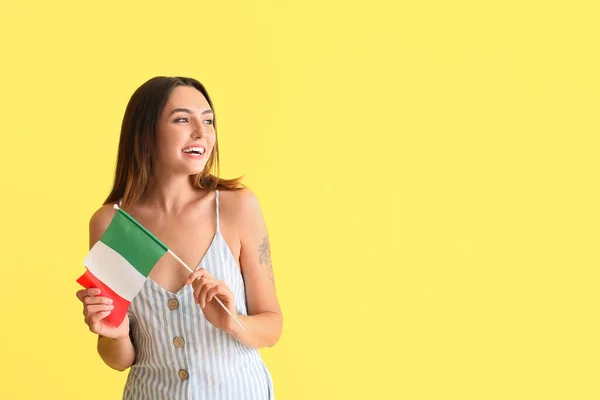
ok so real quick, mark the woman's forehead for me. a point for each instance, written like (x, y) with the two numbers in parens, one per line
(188, 97)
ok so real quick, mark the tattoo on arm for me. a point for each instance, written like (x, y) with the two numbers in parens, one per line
(264, 256)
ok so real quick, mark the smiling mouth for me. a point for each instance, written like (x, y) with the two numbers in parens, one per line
(198, 151)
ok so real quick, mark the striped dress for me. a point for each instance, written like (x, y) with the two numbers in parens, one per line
(179, 354)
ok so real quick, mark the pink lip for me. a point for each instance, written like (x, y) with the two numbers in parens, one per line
(191, 155)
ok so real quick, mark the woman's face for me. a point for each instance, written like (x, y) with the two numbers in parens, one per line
(185, 135)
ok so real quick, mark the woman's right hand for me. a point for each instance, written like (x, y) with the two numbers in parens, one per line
(95, 309)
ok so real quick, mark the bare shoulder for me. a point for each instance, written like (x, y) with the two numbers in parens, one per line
(241, 203)
(102, 217)
(100, 221)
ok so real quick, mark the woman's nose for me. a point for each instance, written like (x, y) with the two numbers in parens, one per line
(198, 132)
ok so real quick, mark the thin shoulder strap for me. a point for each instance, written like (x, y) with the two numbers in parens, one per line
(217, 206)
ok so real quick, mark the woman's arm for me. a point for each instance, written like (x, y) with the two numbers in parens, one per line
(264, 322)
(117, 352)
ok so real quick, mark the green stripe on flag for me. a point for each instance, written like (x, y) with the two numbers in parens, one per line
(133, 242)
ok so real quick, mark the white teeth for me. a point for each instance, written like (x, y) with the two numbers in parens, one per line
(193, 149)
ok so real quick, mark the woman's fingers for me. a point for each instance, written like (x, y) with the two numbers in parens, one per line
(221, 289)
(200, 289)
(87, 315)
(89, 300)
(92, 309)
(200, 282)
(199, 273)
(83, 293)
(94, 319)
(212, 289)
(206, 286)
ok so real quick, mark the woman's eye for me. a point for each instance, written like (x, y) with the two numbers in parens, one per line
(187, 120)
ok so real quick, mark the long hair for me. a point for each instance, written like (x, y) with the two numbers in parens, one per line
(137, 143)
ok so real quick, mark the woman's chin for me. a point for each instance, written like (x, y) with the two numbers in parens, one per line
(194, 171)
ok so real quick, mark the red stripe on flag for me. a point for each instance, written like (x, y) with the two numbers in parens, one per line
(117, 315)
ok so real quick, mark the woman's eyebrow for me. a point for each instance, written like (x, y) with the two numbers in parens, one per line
(187, 110)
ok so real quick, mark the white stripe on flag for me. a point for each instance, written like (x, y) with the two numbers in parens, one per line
(114, 271)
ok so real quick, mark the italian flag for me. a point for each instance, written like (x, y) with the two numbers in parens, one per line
(119, 263)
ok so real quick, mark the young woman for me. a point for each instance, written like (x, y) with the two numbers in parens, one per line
(177, 340)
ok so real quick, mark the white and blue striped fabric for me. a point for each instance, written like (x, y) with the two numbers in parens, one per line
(180, 355)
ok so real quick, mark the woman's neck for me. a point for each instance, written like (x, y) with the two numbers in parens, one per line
(169, 193)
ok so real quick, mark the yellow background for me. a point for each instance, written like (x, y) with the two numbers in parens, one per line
(428, 171)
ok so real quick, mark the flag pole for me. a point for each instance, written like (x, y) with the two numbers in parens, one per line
(116, 207)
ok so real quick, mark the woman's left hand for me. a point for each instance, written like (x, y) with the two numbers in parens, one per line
(206, 287)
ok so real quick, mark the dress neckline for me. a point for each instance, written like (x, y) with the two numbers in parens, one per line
(180, 291)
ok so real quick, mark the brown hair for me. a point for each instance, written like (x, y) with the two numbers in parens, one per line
(137, 143)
